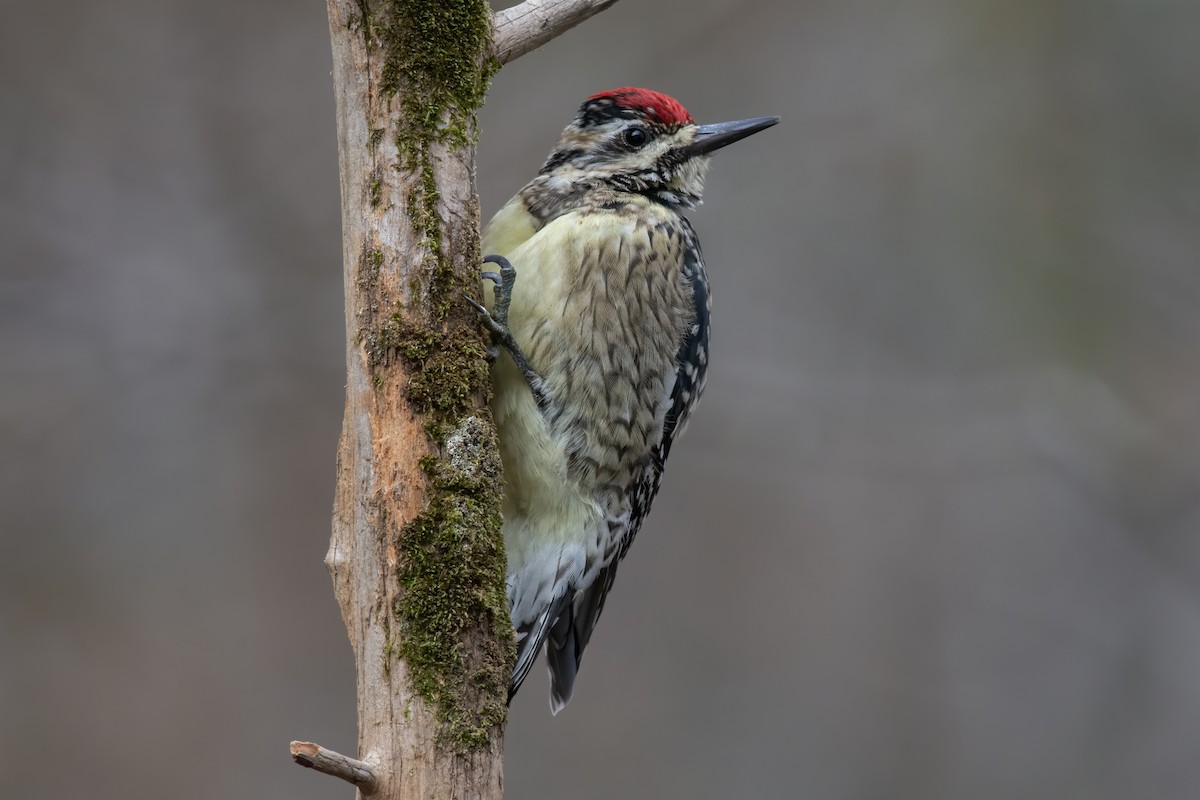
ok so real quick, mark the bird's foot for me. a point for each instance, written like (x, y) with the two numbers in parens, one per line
(496, 321)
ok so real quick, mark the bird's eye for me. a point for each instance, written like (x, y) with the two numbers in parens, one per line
(635, 137)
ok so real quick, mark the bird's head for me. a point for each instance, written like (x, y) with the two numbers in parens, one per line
(639, 140)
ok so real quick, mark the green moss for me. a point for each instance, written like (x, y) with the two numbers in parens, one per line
(447, 366)
(369, 265)
(435, 55)
(451, 622)
(389, 655)
(452, 570)
(452, 565)
(375, 190)
(435, 61)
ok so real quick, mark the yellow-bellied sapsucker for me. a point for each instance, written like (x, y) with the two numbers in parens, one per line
(602, 307)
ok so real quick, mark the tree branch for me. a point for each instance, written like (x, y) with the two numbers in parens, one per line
(416, 554)
(313, 756)
(531, 24)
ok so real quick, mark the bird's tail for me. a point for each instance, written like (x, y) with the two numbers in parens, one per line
(563, 658)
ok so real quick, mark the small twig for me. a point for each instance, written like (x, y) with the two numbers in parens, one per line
(313, 756)
(531, 24)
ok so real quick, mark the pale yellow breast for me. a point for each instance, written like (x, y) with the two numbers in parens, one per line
(511, 226)
(600, 309)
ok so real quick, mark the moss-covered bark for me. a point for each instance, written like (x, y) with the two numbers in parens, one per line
(451, 624)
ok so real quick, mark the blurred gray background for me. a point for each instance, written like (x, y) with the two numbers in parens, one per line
(933, 533)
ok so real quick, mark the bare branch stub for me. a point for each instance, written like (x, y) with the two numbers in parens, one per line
(313, 756)
(531, 24)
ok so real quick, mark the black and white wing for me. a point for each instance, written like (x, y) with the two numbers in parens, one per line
(570, 634)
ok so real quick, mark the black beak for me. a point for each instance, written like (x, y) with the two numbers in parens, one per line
(714, 137)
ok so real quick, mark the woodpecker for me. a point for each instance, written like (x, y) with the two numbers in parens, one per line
(601, 312)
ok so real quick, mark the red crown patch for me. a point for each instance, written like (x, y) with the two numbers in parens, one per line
(656, 105)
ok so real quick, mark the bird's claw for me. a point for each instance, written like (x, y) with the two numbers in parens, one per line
(503, 290)
(496, 321)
